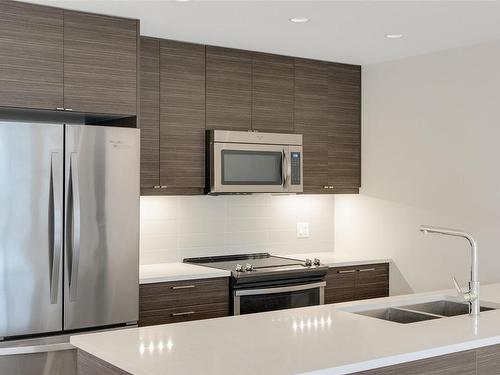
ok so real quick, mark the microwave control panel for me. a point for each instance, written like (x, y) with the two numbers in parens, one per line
(295, 164)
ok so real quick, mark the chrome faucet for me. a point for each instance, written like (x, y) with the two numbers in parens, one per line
(472, 294)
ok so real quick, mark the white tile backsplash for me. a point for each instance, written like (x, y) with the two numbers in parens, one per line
(173, 228)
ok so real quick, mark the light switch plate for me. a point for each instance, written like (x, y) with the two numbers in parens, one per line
(303, 230)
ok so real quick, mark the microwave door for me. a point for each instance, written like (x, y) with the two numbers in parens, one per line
(249, 168)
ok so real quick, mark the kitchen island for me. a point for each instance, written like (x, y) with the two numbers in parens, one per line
(328, 339)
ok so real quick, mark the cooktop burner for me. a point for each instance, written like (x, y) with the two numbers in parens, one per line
(262, 265)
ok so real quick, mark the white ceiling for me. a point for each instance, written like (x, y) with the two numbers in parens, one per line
(344, 31)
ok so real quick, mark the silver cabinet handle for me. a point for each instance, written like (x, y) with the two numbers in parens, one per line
(57, 226)
(183, 287)
(183, 313)
(75, 227)
(347, 271)
(367, 269)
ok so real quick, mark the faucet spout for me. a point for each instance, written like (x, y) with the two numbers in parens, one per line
(472, 295)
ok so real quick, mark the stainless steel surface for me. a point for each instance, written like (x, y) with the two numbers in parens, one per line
(73, 231)
(291, 288)
(60, 362)
(183, 313)
(285, 144)
(102, 166)
(444, 308)
(57, 225)
(230, 136)
(347, 271)
(183, 287)
(30, 228)
(398, 315)
(471, 295)
(35, 345)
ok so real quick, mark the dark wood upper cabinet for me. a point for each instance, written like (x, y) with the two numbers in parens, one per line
(150, 112)
(344, 137)
(182, 117)
(272, 93)
(311, 120)
(31, 56)
(228, 89)
(100, 63)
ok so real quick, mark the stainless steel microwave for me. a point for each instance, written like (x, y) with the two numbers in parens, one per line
(254, 162)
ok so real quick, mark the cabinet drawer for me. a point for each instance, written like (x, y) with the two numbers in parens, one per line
(183, 314)
(372, 274)
(340, 284)
(159, 296)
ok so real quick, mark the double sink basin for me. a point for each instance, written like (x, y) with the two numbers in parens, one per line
(419, 312)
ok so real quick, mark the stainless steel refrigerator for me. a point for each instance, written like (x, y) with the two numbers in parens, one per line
(69, 232)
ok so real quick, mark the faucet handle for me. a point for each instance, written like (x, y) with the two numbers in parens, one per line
(460, 290)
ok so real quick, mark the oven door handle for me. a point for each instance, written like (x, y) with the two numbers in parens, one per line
(293, 288)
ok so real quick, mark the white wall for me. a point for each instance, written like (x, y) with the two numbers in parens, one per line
(431, 155)
(173, 228)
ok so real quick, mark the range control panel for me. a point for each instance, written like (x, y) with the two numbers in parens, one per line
(295, 163)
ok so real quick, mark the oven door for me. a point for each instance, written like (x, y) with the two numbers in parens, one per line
(249, 168)
(248, 301)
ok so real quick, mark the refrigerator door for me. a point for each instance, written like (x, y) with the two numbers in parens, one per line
(102, 226)
(31, 199)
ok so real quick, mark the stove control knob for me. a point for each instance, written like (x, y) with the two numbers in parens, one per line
(308, 262)
(239, 268)
(316, 262)
(248, 267)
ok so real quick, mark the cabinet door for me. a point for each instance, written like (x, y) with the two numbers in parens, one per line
(340, 284)
(372, 281)
(31, 56)
(311, 120)
(182, 116)
(272, 93)
(100, 63)
(344, 139)
(150, 112)
(228, 89)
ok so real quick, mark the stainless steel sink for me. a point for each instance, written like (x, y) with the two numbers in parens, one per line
(443, 308)
(394, 314)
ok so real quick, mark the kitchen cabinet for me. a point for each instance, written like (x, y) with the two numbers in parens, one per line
(311, 120)
(182, 117)
(150, 112)
(180, 301)
(100, 63)
(357, 282)
(57, 59)
(344, 127)
(228, 89)
(272, 93)
(31, 56)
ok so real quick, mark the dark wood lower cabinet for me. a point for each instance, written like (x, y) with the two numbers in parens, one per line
(357, 282)
(181, 301)
(482, 361)
(91, 365)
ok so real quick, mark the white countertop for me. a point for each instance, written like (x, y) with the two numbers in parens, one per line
(162, 272)
(319, 339)
(332, 259)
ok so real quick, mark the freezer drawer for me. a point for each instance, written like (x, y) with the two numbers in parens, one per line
(101, 226)
(31, 188)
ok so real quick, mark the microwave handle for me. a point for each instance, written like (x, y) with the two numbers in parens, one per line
(283, 168)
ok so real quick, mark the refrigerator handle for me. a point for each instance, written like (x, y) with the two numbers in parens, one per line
(55, 180)
(75, 230)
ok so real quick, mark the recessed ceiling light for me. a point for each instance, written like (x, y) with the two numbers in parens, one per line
(182, 1)
(299, 19)
(393, 36)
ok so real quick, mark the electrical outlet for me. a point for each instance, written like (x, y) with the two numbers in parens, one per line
(303, 230)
